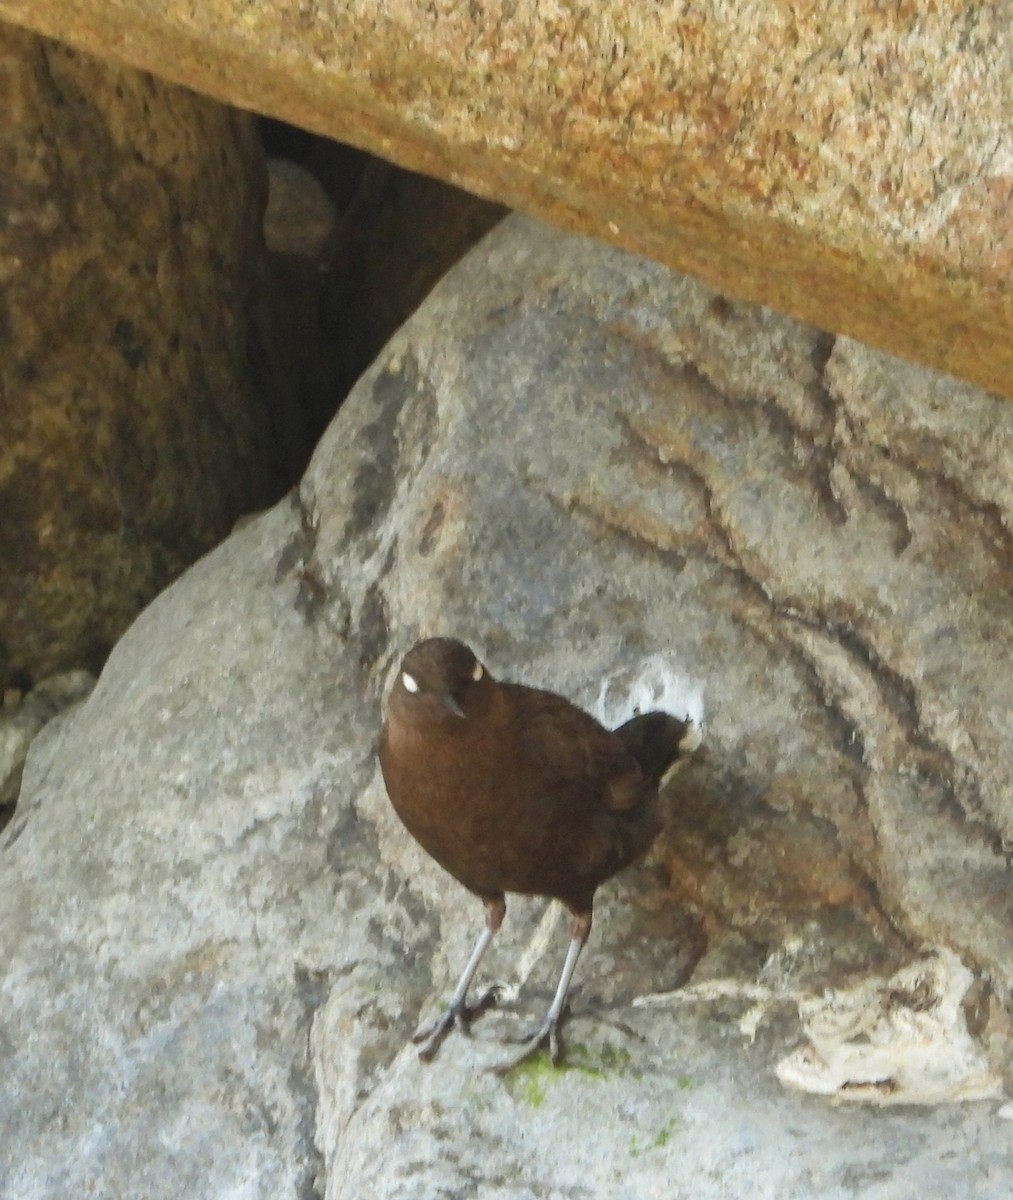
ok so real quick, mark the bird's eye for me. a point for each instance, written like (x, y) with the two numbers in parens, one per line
(410, 682)
(477, 672)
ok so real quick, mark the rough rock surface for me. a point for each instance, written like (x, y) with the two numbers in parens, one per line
(850, 163)
(139, 414)
(219, 935)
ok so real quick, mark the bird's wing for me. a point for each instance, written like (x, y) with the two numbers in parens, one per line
(576, 757)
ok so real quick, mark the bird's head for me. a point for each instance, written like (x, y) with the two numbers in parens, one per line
(440, 676)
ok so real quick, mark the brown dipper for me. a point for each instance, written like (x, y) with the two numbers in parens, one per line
(513, 789)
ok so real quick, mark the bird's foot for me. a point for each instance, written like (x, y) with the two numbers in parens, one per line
(431, 1037)
(546, 1035)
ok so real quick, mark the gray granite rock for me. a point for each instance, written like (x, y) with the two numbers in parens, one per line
(218, 937)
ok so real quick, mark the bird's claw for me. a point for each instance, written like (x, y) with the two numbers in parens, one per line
(547, 1035)
(488, 999)
(458, 1016)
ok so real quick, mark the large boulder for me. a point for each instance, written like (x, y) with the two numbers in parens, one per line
(141, 413)
(218, 937)
(849, 163)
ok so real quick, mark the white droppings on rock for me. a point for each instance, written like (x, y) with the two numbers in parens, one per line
(657, 682)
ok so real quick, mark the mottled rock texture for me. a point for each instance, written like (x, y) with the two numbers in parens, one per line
(850, 163)
(139, 414)
(221, 936)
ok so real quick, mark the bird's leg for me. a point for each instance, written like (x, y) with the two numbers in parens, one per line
(459, 1013)
(548, 1031)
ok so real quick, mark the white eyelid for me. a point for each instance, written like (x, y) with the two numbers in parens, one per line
(477, 672)
(410, 682)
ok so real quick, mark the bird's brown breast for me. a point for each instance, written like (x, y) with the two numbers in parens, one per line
(530, 795)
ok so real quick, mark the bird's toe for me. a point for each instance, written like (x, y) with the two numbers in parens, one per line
(555, 1045)
(488, 999)
(546, 1035)
(431, 1036)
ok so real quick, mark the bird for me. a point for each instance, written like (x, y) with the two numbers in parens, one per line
(513, 789)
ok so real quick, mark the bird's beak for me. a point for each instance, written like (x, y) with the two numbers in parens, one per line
(450, 702)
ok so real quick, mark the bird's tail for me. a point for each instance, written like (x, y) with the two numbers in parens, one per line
(656, 709)
(658, 742)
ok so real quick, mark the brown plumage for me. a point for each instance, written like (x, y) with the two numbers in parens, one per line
(514, 789)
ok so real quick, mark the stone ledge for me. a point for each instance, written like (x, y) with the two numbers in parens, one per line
(851, 167)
